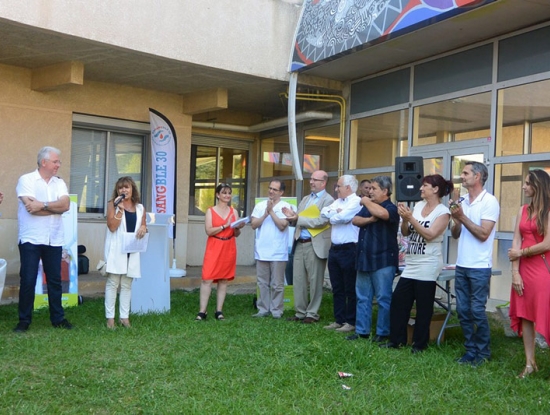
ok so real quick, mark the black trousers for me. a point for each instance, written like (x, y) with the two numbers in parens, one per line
(403, 298)
(341, 269)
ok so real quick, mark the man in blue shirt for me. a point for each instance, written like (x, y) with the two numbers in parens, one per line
(377, 259)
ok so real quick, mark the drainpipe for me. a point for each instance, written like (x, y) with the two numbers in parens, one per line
(292, 97)
(296, 165)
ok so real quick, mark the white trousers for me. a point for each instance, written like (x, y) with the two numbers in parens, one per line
(111, 288)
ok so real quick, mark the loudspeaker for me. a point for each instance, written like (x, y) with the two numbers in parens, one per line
(409, 172)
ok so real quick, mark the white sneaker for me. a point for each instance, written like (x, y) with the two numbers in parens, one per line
(260, 314)
(345, 328)
(333, 326)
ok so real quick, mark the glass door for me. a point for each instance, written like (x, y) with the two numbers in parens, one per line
(449, 162)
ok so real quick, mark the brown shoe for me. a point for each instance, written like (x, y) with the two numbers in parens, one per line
(309, 320)
(294, 318)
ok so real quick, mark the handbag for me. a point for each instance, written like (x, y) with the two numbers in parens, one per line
(102, 267)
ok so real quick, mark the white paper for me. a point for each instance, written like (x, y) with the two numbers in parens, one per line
(246, 219)
(133, 244)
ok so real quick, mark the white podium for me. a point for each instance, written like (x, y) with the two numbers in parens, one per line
(151, 292)
(3, 267)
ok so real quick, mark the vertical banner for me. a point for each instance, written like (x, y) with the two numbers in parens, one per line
(163, 168)
(69, 263)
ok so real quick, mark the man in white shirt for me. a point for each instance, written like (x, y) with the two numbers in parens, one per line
(474, 223)
(271, 250)
(43, 198)
(342, 253)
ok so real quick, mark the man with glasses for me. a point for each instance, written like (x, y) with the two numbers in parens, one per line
(312, 242)
(341, 257)
(271, 250)
(43, 198)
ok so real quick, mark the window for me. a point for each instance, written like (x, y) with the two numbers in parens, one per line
(98, 158)
(374, 141)
(459, 119)
(276, 159)
(211, 165)
(321, 149)
(523, 125)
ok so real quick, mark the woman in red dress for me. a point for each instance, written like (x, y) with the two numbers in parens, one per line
(530, 298)
(220, 256)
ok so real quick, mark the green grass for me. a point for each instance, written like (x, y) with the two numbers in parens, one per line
(170, 364)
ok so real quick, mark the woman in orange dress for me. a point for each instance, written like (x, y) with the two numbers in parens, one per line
(220, 256)
(530, 298)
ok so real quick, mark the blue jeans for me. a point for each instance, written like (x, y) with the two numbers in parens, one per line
(30, 256)
(472, 291)
(368, 285)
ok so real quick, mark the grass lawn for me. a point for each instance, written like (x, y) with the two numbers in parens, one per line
(170, 364)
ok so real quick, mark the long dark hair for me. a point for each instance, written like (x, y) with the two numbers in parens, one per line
(540, 202)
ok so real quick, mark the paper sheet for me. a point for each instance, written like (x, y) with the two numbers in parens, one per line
(133, 244)
(246, 219)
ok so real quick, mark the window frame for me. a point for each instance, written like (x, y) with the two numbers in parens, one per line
(218, 143)
(112, 125)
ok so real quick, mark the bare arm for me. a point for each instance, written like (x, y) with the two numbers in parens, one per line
(359, 221)
(480, 232)
(539, 248)
(291, 216)
(114, 216)
(429, 234)
(514, 254)
(211, 230)
(280, 223)
(375, 209)
(140, 233)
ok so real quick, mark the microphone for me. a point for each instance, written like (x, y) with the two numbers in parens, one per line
(119, 199)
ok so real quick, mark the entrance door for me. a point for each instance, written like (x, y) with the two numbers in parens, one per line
(448, 160)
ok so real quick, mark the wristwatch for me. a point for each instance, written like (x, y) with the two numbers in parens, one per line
(45, 206)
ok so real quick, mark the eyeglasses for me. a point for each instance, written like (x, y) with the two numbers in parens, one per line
(317, 180)
(56, 162)
(275, 190)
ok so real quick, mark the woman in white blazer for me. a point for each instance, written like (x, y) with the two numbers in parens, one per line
(125, 214)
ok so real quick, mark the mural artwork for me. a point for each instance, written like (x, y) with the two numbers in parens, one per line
(328, 28)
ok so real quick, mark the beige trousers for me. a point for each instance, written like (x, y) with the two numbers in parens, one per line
(271, 282)
(309, 272)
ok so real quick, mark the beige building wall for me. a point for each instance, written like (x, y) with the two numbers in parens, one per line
(259, 33)
(30, 120)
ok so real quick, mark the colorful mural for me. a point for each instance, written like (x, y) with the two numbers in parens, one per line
(328, 28)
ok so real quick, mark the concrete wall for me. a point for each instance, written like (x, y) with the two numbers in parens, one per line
(30, 120)
(179, 29)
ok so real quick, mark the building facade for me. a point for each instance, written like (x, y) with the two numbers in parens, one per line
(446, 80)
